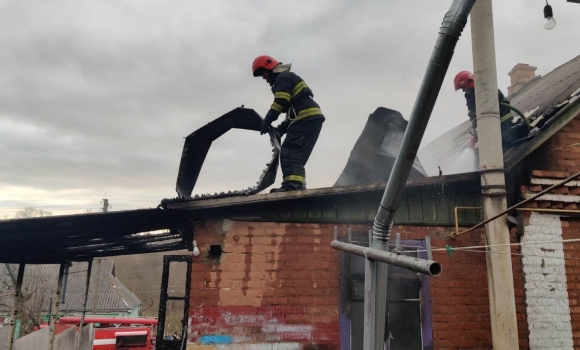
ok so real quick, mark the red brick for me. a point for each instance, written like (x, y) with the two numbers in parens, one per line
(561, 190)
(544, 204)
(574, 190)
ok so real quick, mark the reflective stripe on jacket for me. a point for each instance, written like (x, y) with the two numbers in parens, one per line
(294, 97)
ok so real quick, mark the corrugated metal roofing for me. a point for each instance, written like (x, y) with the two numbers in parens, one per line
(40, 284)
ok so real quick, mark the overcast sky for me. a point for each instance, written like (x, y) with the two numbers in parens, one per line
(97, 96)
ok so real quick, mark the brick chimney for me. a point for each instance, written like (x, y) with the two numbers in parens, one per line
(520, 75)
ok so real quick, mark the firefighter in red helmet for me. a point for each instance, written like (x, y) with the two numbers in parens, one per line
(303, 120)
(465, 81)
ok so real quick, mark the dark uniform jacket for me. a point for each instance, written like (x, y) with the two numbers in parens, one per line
(293, 97)
(470, 98)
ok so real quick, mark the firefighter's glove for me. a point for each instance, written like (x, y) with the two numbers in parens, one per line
(265, 126)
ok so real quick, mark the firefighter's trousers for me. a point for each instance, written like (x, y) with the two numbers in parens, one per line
(296, 149)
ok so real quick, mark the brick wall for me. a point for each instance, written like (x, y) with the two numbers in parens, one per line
(276, 286)
(561, 152)
(571, 230)
(459, 296)
(273, 284)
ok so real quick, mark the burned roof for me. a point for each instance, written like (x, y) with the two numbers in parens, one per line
(55, 239)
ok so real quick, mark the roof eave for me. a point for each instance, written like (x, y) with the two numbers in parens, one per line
(557, 122)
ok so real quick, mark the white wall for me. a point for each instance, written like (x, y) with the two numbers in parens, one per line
(546, 293)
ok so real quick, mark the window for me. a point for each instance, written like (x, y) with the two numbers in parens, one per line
(131, 341)
(409, 316)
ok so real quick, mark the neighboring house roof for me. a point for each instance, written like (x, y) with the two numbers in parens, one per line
(40, 283)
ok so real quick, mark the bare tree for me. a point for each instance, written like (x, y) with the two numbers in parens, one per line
(31, 212)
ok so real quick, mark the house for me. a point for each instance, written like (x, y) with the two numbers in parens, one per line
(106, 296)
(268, 278)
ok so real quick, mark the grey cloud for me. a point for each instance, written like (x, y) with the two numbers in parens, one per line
(99, 95)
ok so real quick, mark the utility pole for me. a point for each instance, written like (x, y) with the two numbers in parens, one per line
(105, 205)
(500, 279)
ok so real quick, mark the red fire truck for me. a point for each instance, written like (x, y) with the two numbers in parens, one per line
(116, 333)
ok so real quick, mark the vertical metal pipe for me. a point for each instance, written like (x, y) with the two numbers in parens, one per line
(11, 273)
(87, 286)
(163, 296)
(55, 307)
(16, 305)
(504, 329)
(85, 300)
(64, 282)
(97, 288)
(369, 311)
(451, 28)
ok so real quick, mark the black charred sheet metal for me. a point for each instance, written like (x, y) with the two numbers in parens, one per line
(328, 192)
(197, 146)
(55, 239)
(374, 154)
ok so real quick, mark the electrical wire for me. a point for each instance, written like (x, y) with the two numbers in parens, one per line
(520, 254)
(573, 240)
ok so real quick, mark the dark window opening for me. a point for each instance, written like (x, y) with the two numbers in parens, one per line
(131, 341)
(215, 251)
(409, 310)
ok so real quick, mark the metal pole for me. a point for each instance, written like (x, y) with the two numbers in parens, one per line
(428, 267)
(504, 329)
(451, 28)
(11, 273)
(55, 307)
(97, 289)
(87, 285)
(16, 306)
(369, 312)
(64, 282)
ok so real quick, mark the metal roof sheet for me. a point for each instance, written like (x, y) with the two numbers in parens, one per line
(40, 282)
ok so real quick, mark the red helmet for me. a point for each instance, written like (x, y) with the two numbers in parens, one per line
(262, 63)
(464, 79)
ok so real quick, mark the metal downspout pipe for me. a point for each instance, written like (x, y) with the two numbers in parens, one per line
(450, 31)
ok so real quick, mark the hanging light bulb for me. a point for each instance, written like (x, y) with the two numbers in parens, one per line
(550, 22)
(195, 249)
